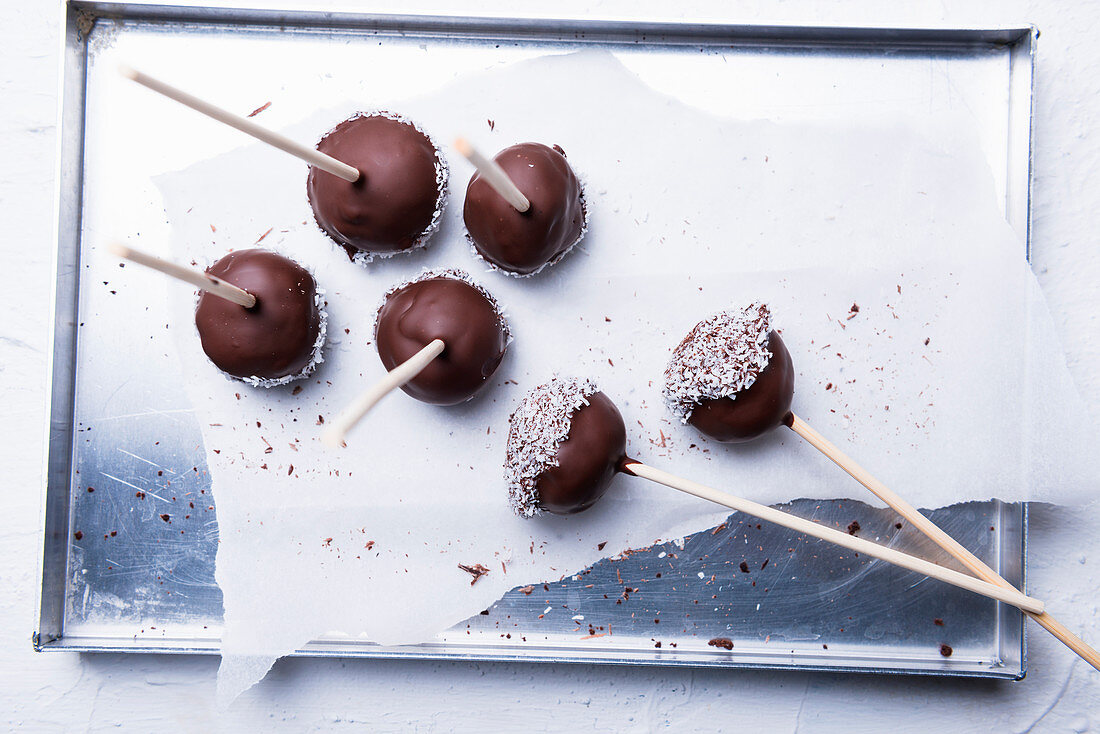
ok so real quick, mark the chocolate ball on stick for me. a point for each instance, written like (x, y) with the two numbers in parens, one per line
(260, 316)
(732, 376)
(377, 183)
(396, 203)
(446, 305)
(277, 340)
(567, 440)
(525, 208)
(732, 379)
(440, 336)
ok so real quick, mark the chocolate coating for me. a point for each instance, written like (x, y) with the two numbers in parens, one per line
(274, 339)
(587, 459)
(393, 204)
(523, 243)
(470, 325)
(762, 406)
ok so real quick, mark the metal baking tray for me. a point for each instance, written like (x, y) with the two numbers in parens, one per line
(116, 578)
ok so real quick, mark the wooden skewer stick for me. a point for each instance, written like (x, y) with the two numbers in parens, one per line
(312, 156)
(209, 283)
(934, 532)
(338, 429)
(494, 175)
(851, 542)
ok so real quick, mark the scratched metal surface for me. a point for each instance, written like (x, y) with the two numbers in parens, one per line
(131, 528)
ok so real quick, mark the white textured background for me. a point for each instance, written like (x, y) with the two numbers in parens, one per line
(68, 692)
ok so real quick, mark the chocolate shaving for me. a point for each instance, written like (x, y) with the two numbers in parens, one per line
(476, 570)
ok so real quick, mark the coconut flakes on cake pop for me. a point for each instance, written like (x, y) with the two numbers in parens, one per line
(723, 355)
(536, 429)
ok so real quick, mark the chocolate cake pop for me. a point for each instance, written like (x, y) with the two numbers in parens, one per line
(565, 442)
(732, 376)
(277, 340)
(397, 202)
(445, 305)
(523, 243)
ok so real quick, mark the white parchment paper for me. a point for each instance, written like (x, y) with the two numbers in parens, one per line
(920, 338)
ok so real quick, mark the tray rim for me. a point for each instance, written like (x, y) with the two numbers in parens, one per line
(78, 18)
(744, 659)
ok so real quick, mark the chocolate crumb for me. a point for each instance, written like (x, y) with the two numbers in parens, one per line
(601, 545)
(476, 570)
(259, 109)
(764, 564)
(744, 567)
(824, 646)
(297, 389)
(946, 650)
(166, 517)
(897, 525)
(723, 642)
(78, 535)
(853, 527)
(938, 622)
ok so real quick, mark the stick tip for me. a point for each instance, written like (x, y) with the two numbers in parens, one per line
(118, 249)
(333, 438)
(462, 145)
(127, 71)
